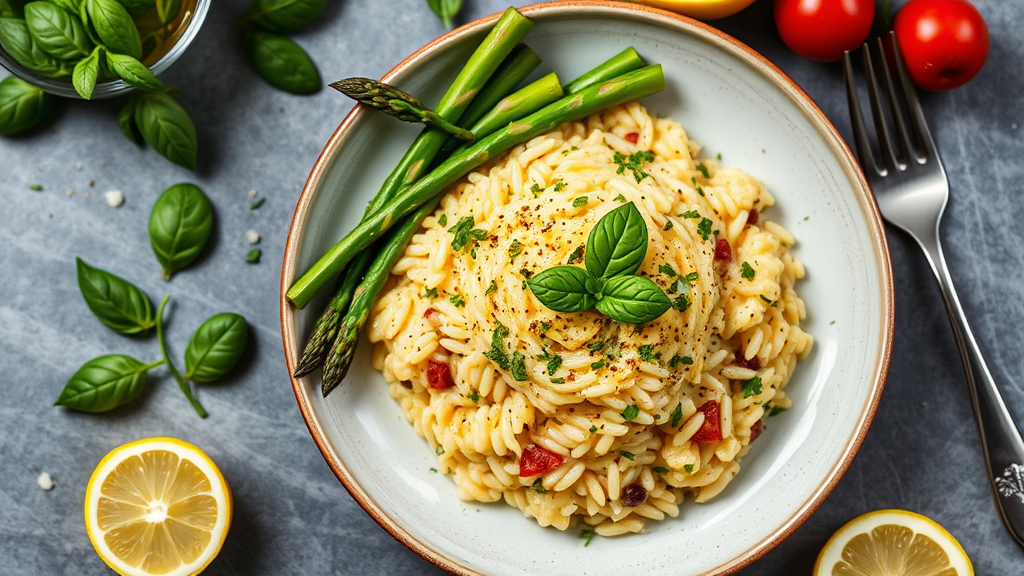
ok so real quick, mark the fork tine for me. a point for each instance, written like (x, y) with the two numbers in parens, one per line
(860, 131)
(905, 148)
(885, 148)
(924, 136)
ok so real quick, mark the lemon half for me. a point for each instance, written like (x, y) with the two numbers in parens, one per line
(893, 543)
(701, 9)
(157, 506)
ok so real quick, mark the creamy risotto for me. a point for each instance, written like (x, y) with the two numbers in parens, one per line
(596, 423)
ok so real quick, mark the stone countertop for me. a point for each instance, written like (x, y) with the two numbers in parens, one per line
(292, 516)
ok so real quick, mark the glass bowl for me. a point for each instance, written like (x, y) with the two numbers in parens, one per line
(192, 22)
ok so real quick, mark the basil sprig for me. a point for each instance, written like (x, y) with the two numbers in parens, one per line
(180, 226)
(616, 247)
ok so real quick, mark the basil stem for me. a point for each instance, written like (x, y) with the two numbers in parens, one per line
(170, 365)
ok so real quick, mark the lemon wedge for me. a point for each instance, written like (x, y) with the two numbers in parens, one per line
(157, 506)
(893, 543)
(701, 9)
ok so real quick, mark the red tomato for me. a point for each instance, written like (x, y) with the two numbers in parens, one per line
(537, 460)
(944, 42)
(439, 375)
(711, 429)
(823, 29)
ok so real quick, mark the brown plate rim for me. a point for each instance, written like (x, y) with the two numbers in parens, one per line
(781, 81)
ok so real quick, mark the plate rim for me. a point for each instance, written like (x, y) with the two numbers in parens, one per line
(773, 74)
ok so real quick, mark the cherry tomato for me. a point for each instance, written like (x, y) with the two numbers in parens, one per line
(944, 42)
(822, 29)
(711, 429)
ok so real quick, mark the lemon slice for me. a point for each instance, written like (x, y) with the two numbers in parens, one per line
(701, 9)
(157, 506)
(893, 543)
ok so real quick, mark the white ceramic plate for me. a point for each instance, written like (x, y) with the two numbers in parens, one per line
(731, 101)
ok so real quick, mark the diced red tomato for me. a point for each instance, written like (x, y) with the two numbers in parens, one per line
(537, 460)
(633, 137)
(756, 430)
(711, 429)
(723, 251)
(439, 376)
(752, 364)
(752, 217)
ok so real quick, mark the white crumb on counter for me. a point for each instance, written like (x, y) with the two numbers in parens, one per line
(252, 193)
(45, 481)
(114, 197)
(78, 166)
(253, 237)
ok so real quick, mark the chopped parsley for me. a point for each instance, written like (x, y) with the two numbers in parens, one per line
(443, 220)
(576, 256)
(690, 214)
(554, 363)
(475, 396)
(465, 234)
(776, 410)
(586, 535)
(255, 205)
(688, 468)
(596, 346)
(593, 429)
(704, 228)
(434, 470)
(253, 257)
(677, 414)
(491, 288)
(659, 470)
(598, 364)
(439, 450)
(457, 301)
(770, 302)
(430, 293)
(620, 198)
(681, 303)
(703, 170)
(628, 454)
(677, 360)
(560, 185)
(513, 250)
(526, 273)
(631, 412)
(497, 352)
(668, 225)
(35, 187)
(646, 352)
(538, 486)
(519, 367)
(581, 201)
(544, 326)
(634, 163)
(558, 380)
(691, 277)
(667, 270)
(746, 271)
(752, 387)
(536, 189)
(700, 190)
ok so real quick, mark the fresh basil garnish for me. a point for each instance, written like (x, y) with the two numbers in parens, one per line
(179, 226)
(58, 32)
(216, 347)
(22, 105)
(632, 299)
(105, 383)
(17, 41)
(617, 243)
(281, 62)
(87, 71)
(133, 72)
(114, 26)
(563, 289)
(166, 127)
(115, 301)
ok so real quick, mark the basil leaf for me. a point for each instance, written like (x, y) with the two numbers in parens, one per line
(115, 301)
(168, 10)
(71, 6)
(216, 347)
(126, 122)
(282, 63)
(87, 71)
(114, 26)
(16, 40)
(563, 289)
(104, 383)
(133, 72)
(9, 9)
(617, 243)
(445, 10)
(22, 105)
(137, 7)
(285, 16)
(58, 33)
(179, 226)
(632, 299)
(167, 128)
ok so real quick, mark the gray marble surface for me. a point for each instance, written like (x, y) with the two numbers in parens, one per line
(292, 516)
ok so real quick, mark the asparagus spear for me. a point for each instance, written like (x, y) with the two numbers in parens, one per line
(394, 102)
(472, 80)
(625, 61)
(630, 86)
(510, 74)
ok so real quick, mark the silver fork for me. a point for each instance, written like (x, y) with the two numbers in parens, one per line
(911, 187)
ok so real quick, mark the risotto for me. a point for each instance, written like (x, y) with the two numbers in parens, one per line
(598, 423)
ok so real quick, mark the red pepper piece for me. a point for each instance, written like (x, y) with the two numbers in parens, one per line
(711, 429)
(633, 137)
(723, 251)
(752, 364)
(537, 460)
(756, 430)
(752, 217)
(439, 376)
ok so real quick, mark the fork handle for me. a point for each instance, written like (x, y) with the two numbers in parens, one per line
(1000, 439)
